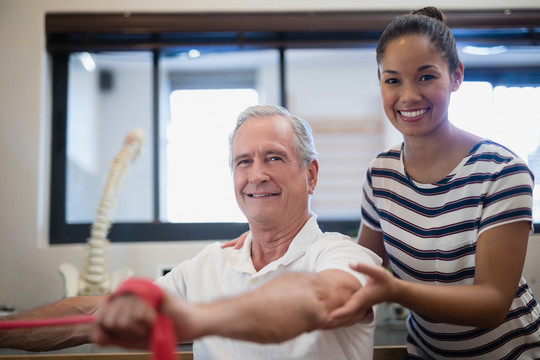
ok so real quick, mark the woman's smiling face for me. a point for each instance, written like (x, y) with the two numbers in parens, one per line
(416, 85)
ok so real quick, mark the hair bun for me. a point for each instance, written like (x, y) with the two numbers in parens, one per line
(432, 12)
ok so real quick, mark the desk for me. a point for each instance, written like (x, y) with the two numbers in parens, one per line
(183, 355)
(380, 353)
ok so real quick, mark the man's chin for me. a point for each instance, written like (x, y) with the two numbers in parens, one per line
(261, 217)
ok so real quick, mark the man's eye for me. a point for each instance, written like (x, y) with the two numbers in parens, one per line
(274, 158)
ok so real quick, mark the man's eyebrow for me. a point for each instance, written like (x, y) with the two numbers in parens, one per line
(277, 152)
(271, 152)
(240, 157)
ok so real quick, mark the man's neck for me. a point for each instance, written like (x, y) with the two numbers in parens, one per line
(270, 244)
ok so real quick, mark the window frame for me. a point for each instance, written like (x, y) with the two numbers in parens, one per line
(162, 33)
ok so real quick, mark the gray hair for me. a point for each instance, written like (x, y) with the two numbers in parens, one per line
(302, 134)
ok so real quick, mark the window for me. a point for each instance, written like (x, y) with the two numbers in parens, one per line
(505, 114)
(183, 79)
(206, 196)
(108, 95)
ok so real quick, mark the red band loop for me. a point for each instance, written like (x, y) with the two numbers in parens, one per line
(163, 339)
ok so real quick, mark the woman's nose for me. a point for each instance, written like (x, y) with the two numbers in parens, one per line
(409, 94)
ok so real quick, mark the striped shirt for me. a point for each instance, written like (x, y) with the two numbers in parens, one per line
(430, 233)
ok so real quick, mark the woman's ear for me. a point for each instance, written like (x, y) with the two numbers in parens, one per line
(457, 77)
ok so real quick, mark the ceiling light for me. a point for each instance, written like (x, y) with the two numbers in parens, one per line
(193, 53)
(478, 50)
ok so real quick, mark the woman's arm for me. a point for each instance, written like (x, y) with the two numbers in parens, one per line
(373, 240)
(500, 255)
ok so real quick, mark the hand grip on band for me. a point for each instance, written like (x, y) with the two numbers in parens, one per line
(163, 337)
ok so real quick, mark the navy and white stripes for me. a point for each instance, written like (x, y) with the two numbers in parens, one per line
(430, 233)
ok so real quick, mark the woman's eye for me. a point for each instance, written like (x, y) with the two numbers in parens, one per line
(426, 77)
(391, 81)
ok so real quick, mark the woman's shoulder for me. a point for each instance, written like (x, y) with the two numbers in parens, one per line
(487, 149)
(490, 157)
(393, 153)
(388, 160)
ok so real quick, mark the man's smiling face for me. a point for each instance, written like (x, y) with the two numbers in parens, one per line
(270, 183)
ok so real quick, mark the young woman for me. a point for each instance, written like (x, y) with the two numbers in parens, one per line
(448, 211)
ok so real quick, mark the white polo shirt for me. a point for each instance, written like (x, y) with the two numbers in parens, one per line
(216, 273)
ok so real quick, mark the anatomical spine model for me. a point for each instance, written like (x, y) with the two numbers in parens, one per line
(95, 278)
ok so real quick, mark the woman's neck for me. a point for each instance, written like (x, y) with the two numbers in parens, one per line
(429, 159)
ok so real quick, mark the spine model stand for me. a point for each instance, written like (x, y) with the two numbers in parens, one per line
(95, 278)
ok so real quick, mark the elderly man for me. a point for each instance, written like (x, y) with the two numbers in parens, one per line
(272, 298)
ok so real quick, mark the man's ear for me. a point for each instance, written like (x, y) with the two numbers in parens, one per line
(457, 77)
(313, 173)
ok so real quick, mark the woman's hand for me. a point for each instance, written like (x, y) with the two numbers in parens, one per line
(378, 288)
(237, 243)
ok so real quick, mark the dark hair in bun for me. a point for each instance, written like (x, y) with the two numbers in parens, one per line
(429, 22)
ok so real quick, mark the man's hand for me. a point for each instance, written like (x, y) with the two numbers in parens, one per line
(237, 243)
(125, 321)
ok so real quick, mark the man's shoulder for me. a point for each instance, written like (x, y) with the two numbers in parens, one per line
(336, 250)
(210, 251)
(336, 236)
(335, 240)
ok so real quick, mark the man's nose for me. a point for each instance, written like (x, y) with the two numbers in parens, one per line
(258, 173)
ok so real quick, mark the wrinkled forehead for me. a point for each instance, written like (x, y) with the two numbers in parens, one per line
(271, 127)
(269, 131)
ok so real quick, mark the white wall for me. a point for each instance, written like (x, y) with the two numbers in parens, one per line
(28, 265)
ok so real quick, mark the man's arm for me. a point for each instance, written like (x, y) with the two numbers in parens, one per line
(279, 310)
(276, 311)
(54, 337)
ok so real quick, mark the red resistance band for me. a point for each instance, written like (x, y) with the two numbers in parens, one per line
(162, 337)
(65, 320)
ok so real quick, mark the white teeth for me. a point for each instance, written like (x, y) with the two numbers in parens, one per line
(413, 113)
(261, 195)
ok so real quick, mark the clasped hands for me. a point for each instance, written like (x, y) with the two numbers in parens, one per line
(380, 287)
